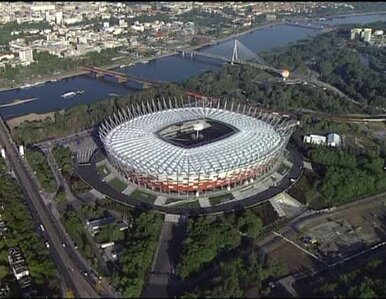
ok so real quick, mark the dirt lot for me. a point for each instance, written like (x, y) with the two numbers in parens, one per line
(295, 259)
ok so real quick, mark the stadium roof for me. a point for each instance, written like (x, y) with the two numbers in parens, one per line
(136, 143)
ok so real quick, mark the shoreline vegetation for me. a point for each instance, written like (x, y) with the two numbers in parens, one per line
(16, 121)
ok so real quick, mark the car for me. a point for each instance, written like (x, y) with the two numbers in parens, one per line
(64, 245)
(85, 273)
(47, 244)
(42, 227)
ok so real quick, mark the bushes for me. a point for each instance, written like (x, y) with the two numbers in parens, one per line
(75, 228)
(138, 253)
(63, 157)
(366, 281)
(240, 83)
(238, 275)
(206, 239)
(42, 170)
(346, 177)
(338, 64)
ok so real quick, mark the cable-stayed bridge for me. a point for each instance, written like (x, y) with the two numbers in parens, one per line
(236, 53)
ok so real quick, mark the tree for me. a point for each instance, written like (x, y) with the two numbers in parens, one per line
(250, 224)
(3, 271)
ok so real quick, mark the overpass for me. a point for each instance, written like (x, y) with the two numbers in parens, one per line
(122, 77)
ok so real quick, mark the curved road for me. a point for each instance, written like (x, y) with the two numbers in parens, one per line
(89, 174)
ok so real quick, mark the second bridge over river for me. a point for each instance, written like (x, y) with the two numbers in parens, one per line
(122, 77)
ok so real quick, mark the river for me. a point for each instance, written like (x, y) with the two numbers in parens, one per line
(173, 68)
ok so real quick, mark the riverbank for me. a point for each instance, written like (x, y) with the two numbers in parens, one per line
(18, 102)
(75, 73)
(47, 79)
(354, 14)
(14, 122)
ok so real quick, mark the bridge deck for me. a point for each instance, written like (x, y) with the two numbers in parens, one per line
(260, 63)
(118, 75)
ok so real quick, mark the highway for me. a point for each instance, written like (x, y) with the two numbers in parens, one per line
(62, 256)
(77, 257)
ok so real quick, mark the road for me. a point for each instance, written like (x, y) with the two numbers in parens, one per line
(62, 256)
(80, 260)
(165, 261)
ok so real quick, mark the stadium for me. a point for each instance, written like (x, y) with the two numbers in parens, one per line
(194, 146)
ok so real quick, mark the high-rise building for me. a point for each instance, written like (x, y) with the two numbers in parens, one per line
(59, 17)
(355, 32)
(367, 34)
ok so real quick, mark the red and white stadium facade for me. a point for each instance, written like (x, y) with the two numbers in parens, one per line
(137, 153)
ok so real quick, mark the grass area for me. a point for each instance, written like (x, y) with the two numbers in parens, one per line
(214, 201)
(316, 203)
(192, 204)
(143, 196)
(283, 168)
(103, 171)
(118, 184)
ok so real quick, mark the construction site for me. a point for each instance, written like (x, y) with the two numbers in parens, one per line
(324, 239)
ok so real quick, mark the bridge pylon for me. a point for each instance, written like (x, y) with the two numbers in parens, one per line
(234, 52)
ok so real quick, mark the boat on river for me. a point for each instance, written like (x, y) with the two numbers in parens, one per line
(71, 94)
(25, 86)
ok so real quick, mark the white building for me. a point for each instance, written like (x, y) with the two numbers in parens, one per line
(6, 56)
(315, 139)
(59, 17)
(333, 139)
(42, 7)
(355, 32)
(18, 264)
(138, 27)
(26, 55)
(367, 34)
